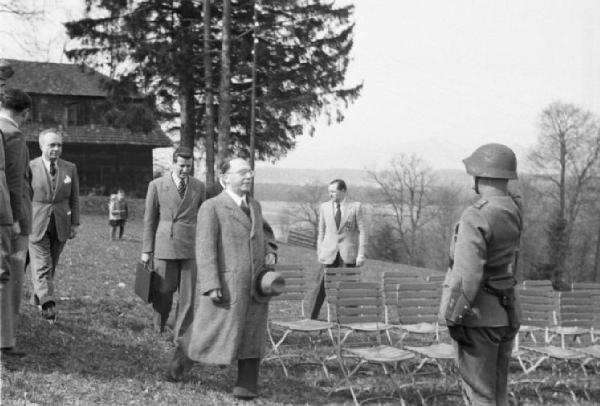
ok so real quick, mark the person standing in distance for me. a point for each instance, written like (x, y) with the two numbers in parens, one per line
(14, 109)
(55, 216)
(233, 245)
(478, 297)
(341, 240)
(170, 217)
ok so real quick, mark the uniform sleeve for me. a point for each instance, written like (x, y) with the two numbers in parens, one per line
(470, 251)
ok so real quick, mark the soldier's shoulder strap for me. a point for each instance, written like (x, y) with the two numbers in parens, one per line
(480, 203)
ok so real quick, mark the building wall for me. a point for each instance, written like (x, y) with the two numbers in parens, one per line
(102, 169)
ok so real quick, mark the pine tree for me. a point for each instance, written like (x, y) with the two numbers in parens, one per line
(303, 49)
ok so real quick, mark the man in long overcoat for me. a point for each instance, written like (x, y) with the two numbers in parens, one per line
(231, 248)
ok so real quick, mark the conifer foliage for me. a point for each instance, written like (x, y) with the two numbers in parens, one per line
(303, 50)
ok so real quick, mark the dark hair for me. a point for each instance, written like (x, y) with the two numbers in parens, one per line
(16, 100)
(50, 131)
(341, 185)
(183, 152)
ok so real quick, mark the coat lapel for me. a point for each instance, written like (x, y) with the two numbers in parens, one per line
(236, 211)
(60, 177)
(345, 207)
(38, 170)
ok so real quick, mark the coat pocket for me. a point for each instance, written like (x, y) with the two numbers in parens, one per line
(228, 287)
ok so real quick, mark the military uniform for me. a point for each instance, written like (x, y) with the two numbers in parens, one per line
(478, 300)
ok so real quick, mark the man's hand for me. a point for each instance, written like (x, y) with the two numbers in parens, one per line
(360, 260)
(73, 233)
(16, 228)
(271, 258)
(145, 258)
(216, 295)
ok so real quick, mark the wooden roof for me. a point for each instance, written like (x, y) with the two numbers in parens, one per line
(101, 134)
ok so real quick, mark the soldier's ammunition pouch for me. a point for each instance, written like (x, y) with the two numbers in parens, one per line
(503, 287)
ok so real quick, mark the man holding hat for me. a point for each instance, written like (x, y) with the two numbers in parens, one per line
(478, 298)
(233, 245)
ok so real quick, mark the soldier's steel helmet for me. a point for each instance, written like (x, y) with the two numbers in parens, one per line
(495, 161)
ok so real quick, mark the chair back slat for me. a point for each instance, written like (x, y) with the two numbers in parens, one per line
(295, 288)
(575, 310)
(436, 278)
(359, 302)
(418, 302)
(537, 284)
(333, 277)
(538, 305)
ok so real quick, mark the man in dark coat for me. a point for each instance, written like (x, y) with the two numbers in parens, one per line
(232, 246)
(13, 113)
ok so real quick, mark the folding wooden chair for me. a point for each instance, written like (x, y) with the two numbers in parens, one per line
(389, 288)
(294, 323)
(575, 315)
(360, 304)
(333, 276)
(591, 290)
(417, 309)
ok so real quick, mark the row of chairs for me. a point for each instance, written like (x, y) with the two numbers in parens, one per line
(549, 314)
(397, 306)
(404, 305)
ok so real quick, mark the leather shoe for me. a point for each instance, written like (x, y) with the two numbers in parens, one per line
(179, 366)
(243, 393)
(48, 312)
(12, 352)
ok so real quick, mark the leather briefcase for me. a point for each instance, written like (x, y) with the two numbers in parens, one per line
(143, 281)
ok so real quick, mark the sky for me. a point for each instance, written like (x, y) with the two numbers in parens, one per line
(440, 77)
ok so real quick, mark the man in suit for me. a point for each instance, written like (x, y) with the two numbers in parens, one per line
(172, 204)
(342, 238)
(478, 297)
(55, 216)
(232, 246)
(14, 108)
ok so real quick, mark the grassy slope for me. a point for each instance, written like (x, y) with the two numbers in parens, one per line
(102, 350)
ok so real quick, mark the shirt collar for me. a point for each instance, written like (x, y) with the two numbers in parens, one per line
(47, 163)
(177, 179)
(9, 119)
(236, 198)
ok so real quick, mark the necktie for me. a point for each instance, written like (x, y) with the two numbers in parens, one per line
(52, 168)
(338, 214)
(181, 188)
(245, 208)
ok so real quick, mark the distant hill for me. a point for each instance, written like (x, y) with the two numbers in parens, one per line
(357, 177)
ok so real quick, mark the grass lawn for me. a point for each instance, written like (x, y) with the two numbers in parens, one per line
(102, 350)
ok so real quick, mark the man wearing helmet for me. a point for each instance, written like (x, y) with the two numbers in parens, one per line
(478, 300)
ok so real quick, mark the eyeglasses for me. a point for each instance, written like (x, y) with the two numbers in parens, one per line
(244, 172)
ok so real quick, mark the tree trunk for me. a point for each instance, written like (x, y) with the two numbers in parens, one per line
(224, 92)
(186, 78)
(209, 140)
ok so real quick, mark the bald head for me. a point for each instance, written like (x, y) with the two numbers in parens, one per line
(51, 144)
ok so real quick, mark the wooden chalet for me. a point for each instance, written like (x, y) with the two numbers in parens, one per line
(69, 97)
